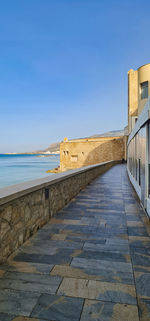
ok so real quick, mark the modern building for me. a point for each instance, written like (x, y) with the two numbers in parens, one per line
(138, 92)
(138, 161)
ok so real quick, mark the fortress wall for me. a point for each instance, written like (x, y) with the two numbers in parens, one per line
(84, 152)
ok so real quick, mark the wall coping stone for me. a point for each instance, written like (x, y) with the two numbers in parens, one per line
(13, 192)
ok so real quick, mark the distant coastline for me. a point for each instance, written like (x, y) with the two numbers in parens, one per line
(26, 153)
(34, 153)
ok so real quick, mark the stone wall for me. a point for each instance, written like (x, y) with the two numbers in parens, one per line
(26, 207)
(83, 152)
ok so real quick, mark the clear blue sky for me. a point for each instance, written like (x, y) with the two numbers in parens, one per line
(63, 67)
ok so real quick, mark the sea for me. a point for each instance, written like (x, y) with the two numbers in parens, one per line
(17, 168)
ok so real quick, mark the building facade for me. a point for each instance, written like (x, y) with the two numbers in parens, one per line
(138, 92)
(138, 147)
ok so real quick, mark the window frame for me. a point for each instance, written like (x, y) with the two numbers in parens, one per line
(144, 89)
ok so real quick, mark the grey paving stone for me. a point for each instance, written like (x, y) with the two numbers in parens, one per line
(59, 244)
(139, 241)
(106, 311)
(58, 308)
(104, 255)
(140, 258)
(30, 282)
(7, 317)
(137, 231)
(142, 281)
(25, 267)
(133, 217)
(36, 249)
(86, 237)
(101, 274)
(102, 264)
(62, 257)
(17, 302)
(107, 247)
(96, 290)
(144, 309)
(98, 231)
(117, 240)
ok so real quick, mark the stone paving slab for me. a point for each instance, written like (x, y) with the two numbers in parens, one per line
(102, 264)
(26, 267)
(56, 244)
(139, 241)
(61, 257)
(94, 310)
(142, 281)
(104, 255)
(58, 308)
(144, 309)
(88, 246)
(93, 273)
(91, 262)
(30, 282)
(137, 231)
(117, 241)
(90, 289)
(17, 302)
(140, 258)
(36, 249)
(77, 238)
(7, 317)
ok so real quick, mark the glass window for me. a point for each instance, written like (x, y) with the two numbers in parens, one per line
(139, 171)
(134, 158)
(149, 159)
(144, 90)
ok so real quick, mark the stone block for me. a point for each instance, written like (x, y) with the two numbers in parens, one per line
(4, 228)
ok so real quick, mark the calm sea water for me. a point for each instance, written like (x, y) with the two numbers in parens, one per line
(15, 169)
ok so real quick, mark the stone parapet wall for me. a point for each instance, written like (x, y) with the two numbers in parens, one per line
(26, 207)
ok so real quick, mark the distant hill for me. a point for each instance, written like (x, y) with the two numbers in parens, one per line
(112, 133)
(56, 146)
(52, 148)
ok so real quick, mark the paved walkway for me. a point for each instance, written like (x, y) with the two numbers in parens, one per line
(91, 263)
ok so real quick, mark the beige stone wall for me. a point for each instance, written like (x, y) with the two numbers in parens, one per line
(27, 207)
(84, 152)
(143, 75)
(20, 219)
(132, 96)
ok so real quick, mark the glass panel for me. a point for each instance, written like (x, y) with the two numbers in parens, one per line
(149, 159)
(139, 174)
(148, 180)
(134, 157)
(144, 90)
(142, 163)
